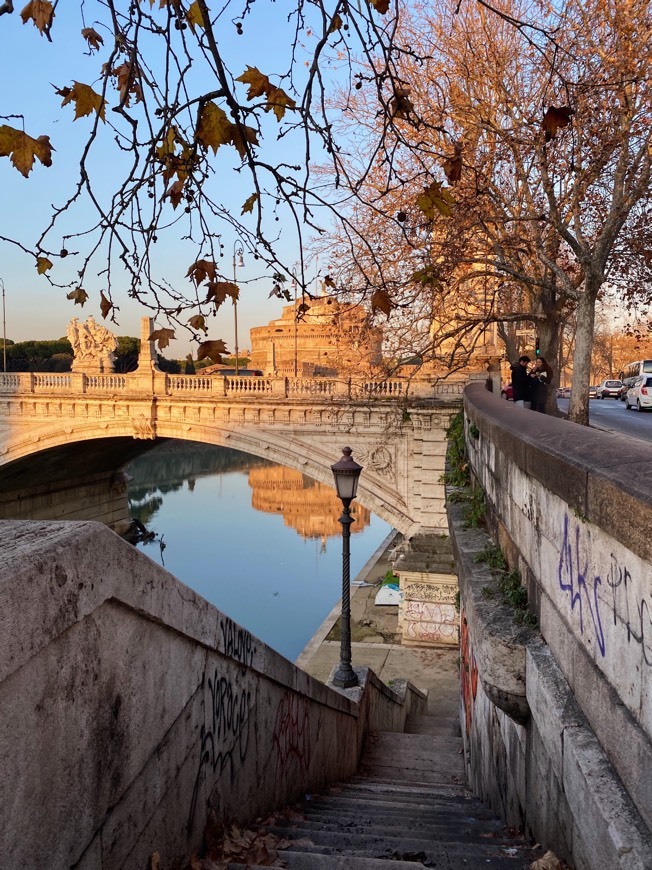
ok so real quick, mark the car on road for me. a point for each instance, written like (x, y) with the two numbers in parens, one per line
(506, 392)
(563, 393)
(609, 388)
(639, 395)
(593, 392)
(627, 383)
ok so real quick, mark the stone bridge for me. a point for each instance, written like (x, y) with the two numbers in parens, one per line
(76, 431)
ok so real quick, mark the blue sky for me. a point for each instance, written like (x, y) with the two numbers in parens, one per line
(31, 64)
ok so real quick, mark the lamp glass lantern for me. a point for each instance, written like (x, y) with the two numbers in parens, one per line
(346, 472)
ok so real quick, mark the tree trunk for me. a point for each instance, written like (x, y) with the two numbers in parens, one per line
(578, 411)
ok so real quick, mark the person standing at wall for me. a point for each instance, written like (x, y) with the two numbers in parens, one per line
(521, 382)
(540, 377)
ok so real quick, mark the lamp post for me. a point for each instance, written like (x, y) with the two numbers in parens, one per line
(4, 329)
(238, 260)
(295, 269)
(346, 473)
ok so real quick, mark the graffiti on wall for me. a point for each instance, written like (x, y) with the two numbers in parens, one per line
(291, 738)
(224, 742)
(582, 587)
(574, 578)
(237, 642)
(468, 673)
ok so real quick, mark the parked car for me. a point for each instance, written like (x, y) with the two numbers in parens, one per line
(639, 395)
(563, 393)
(593, 392)
(609, 389)
(506, 392)
(627, 383)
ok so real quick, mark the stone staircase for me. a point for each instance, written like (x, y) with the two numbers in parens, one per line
(406, 808)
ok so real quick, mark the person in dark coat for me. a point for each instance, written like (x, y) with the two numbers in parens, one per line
(540, 376)
(521, 382)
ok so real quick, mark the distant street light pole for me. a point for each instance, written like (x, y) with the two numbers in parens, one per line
(4, 329)
(346, 473)
(238, 260)
(295, 269)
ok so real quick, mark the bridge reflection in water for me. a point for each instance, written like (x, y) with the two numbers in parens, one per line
(260, 541)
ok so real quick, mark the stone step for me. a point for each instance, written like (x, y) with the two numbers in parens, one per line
(434, 789)
(432, 724)
(393, 741)
(316, 861)
(448, 829)
(443, 856)
(397, 810)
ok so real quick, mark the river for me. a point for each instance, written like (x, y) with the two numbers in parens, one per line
(259, 541)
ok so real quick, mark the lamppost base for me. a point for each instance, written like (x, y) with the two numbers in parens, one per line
(345, 678)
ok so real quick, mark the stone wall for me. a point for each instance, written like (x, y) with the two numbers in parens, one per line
(558, 722)
(130, 705)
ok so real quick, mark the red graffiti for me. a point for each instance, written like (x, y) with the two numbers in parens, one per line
(291, 737)
(469, 673)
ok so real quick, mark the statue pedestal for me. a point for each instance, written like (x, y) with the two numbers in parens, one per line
(99, 365)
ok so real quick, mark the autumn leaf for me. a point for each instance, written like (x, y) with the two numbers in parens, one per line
(380, 301)
(555, 118)
(198, 321)
(452, 167)
(200, 270)
(241, 135)
(194, 16)
(380, 5)
(336, 23)
(219, 290)
(259, 84)
(162, 336)
(328, 282)
(126, 76)
(42, 265)
(213, 127)
(40, 12)
(105, 304)
(549, 862)
(86, 100)
(22, 149)
(278, 101)
(400, 106)
(175, 192)
(79, 296)
(93, 38)
(249, 204)
(435, 199)
(426, 276)
(166, 148)
(211, 350)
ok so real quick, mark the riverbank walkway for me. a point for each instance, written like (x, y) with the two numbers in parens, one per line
(376, 642)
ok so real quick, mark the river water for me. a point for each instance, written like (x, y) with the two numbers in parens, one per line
(259, 541)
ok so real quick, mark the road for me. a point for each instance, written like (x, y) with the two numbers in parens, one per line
(610, 414)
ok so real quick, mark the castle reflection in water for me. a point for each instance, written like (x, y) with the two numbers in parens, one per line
(312, 509)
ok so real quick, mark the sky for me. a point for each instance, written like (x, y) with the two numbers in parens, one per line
(34, 309)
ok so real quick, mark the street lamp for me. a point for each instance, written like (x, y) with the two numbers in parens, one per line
(295, 269)
(4, 329)
(238, 260)
(346, 473)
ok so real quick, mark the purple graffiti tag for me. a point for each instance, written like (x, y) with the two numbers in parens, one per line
(573, 579)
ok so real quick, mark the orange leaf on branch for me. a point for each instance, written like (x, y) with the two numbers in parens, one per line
(211, 350)
(213, 127)
(278, 101)
(22, 149)
(200, 270)
(555, 117)
(259, 84)
(40, 12)
(249, 203)
(42, 265)
(86, 100)
(79, 296)
(105, 304)
(194, 16)
(198, 321)
(380, 5)
(93, 38)
(162, 336)
(175, 192)
(434, 200)
(381, 301)
(219, 290)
